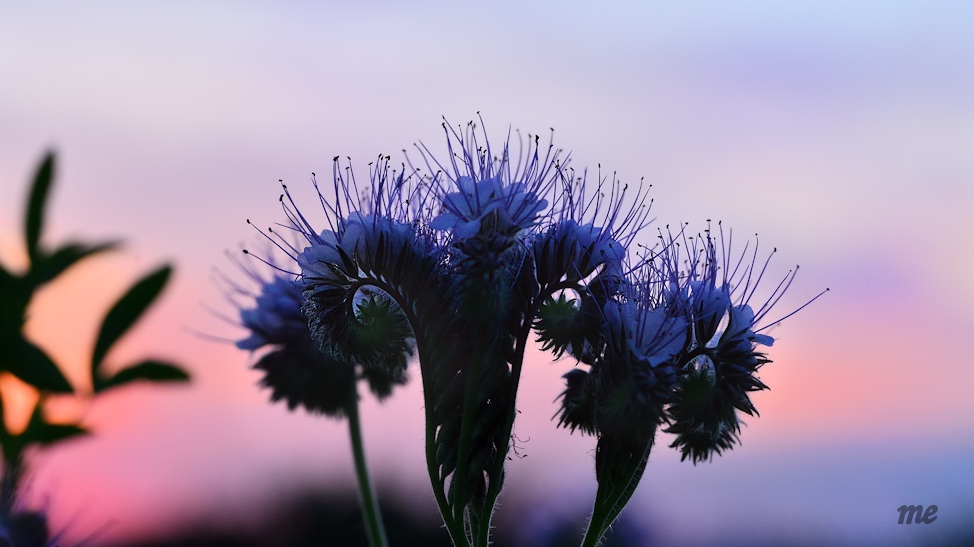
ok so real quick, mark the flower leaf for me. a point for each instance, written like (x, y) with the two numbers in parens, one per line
(560, 325)
(148, 370)
(126, 312)
(29, 363)
(44, 433)
(35, 204)
(16, 293)
(46, 268)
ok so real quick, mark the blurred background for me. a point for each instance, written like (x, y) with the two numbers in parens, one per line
(842, 133)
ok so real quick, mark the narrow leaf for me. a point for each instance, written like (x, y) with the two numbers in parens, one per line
(149, 370)
(350, 268)
(401, 261)
(378, 264)
(127, 311)
(52, 433)
(16, 293)
(41, 432)
(35, 204)
(29, 363)
(46, 268)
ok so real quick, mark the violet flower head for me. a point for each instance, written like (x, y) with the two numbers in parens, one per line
(632, 372)
(482, 191)
(722, 355)
(514, 207)
(350, 317)
(358, 234)
(293, 369)
(276, 317)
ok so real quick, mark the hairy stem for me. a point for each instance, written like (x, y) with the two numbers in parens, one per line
(370, 506)
(461, 472)
(453, 527)
(611, 497)
(494, 490)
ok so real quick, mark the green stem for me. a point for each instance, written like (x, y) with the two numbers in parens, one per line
(454, 528)
(604, 512)
(494, 490)
(611, 499)
(461, 472)
(370, 506)
(596, 525)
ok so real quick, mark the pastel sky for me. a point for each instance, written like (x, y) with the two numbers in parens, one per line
(843, 135)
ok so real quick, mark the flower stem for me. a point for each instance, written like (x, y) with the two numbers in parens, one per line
(454, 528)
(615, 489)
(596, 526)
(370, 506)
(483, 538)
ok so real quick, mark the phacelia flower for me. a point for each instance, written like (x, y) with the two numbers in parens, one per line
(370, 246)
(569, 252)
(276, 317)
(721, 356)
(294, 370)
(633, 372)
(461, 259)
(511, 207)
(358, 237)
(483, 191)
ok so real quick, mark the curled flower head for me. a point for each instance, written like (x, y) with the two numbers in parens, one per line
(358, 238)
(718, 364)
(632, 369)
(643, 336)
(349, 269)
(297, 369)
(568, 253)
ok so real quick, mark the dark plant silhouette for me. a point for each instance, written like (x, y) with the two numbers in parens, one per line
(28, 362)
(461, 260)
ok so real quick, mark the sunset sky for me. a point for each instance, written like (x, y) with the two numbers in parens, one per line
(843, 135)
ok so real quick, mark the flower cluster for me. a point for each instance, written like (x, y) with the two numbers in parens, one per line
(723, 346)
(459, 262)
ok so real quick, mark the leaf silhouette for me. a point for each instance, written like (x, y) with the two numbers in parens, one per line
(126, 312)
(35, 205)
(29, 363)
(148, 370)
(46, 268)
(44, 433)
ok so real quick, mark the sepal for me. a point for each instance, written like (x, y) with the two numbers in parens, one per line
(578, 405)
(561, 326)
